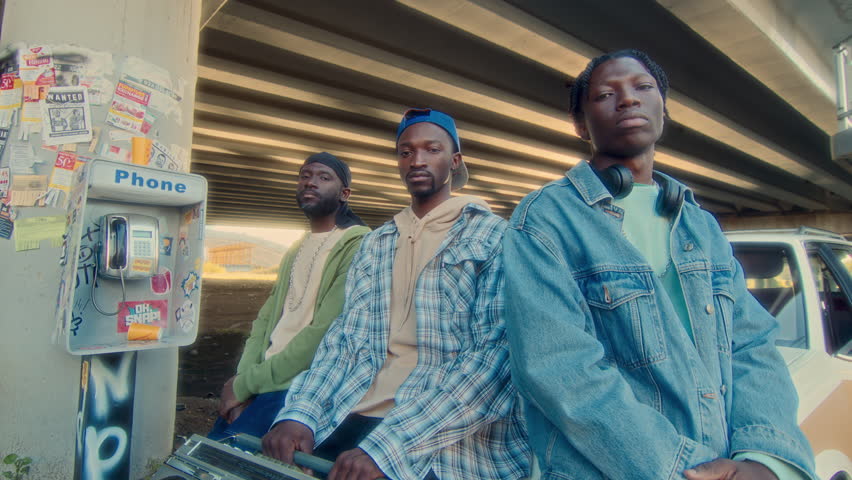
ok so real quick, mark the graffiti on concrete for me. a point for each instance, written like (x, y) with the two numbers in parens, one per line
(105, 416)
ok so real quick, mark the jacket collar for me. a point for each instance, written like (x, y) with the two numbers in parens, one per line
(593, 191)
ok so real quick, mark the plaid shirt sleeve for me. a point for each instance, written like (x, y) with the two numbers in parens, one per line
(476, 391)
(309, 395)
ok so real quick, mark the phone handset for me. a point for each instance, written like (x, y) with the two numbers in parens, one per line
(127, 249)
(117, 240)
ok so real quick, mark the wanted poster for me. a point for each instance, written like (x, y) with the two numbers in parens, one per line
(65, 116)
(128, 107)
(162, 157)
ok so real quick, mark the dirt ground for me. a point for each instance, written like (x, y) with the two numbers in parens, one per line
(227, 309)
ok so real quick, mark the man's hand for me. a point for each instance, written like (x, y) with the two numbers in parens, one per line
(724, 469)
(287, 437)
(228, 399)
(235, 412)
(355, 464)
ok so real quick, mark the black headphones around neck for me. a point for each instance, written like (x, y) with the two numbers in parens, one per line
(618, 179)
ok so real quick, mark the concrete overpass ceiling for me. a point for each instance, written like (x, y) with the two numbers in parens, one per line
(281, 80)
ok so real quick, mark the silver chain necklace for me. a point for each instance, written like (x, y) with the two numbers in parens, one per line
(293, 306)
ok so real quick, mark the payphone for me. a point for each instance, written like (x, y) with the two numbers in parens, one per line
(123, 286)
(128, 246)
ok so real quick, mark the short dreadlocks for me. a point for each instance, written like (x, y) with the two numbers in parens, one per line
(580, 87)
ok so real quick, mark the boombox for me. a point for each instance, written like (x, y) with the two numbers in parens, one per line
(234, 459)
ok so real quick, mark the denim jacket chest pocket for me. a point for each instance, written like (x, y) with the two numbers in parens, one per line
(626, 316)
(723, 301)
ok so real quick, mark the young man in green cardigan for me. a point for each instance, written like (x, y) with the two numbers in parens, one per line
(307, 296)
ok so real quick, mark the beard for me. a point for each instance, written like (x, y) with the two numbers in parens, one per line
(423, 189)
(324, 207)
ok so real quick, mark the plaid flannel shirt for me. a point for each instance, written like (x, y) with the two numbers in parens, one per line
(457, 413)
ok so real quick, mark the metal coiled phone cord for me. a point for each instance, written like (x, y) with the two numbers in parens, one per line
(92, 292)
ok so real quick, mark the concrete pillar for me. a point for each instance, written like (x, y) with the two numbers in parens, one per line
(40, 383)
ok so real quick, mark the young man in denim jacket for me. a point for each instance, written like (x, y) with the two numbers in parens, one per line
(412, 380)
(634, 342)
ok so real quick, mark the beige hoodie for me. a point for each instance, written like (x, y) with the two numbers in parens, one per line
(419, 239)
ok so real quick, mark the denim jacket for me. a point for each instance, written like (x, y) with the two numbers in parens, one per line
(613, 386)
(457, 413)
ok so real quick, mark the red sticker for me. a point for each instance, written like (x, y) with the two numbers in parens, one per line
(162, 283)
(147, 312)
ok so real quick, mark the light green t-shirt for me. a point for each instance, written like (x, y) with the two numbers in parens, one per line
(650, 233)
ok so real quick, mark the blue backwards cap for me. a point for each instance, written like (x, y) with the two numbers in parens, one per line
(441, 119)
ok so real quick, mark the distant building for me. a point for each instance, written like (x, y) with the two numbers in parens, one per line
(235, 257)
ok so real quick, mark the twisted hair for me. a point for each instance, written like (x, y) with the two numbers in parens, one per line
(580, 87)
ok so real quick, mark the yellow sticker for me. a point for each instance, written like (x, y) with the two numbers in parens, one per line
(84, 376)
(141, 265)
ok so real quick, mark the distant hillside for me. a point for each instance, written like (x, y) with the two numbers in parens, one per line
(266, 254)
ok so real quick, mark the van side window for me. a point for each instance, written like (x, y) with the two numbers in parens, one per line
(836, 309)
(776, 283)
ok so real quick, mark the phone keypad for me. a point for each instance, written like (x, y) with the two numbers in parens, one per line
(143, 249)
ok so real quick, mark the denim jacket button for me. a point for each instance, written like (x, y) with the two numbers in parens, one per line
(723, 389)
(709, 308)
(688, 247)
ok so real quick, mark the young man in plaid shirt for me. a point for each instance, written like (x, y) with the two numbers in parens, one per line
(412, 380)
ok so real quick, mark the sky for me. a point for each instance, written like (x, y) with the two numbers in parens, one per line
(282, 236)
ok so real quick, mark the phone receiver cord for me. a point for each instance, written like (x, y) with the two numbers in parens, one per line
(123, 292)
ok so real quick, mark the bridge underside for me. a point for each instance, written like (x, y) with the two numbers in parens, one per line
(750, 120)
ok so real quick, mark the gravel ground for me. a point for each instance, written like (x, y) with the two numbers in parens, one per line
(227, 309)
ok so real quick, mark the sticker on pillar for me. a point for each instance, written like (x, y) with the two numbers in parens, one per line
(120, 135)
(4, 137)
(181, 158)
(62, 178)
(166, 95)
(5, 174)
(161, 283)
(79, 66)
(31, 231)
(7, 224)
(65, 116)
(148, 122)
(26, 190)
(11, 88)
(37, 75)
(114, 152)
(185, 316)
(96, 135)
(165, 245)
(145, 312)
(162, 157)
(128, 107)
(189, 284)
(21, 158)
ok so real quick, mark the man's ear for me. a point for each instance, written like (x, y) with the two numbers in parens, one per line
(456, 161)
(582, 131)
(344, 194)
